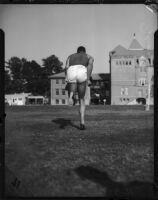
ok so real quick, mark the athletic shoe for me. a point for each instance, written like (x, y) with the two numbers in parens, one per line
(82, 127)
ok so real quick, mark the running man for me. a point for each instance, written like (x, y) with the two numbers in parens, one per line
(78, 71)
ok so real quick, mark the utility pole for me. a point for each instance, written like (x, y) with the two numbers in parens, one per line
(152, 6)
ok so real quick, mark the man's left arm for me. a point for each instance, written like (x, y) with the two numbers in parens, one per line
(66, 66)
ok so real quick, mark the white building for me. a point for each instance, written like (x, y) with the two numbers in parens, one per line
(16, 99)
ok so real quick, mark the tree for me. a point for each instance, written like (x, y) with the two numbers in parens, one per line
(15, 83)
(15, 66)
(29, 76)
(8, 81)
(32, 76)
(52, 65)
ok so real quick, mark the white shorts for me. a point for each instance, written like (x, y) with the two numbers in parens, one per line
(76, 73)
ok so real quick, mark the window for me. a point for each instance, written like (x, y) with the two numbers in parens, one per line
(57, 101)
(117, 62)
(107, 93)
(63, 81)
(143, 69)
(57, 81)
(120, 63)
(20, 99)
(122, 91)
(63, 92)
(63, 101)
(57, 91)
(149, 60)
(102, 84)
(126, 91)
(130, 63)
(140, 92)
(126, 62)
(142, 81)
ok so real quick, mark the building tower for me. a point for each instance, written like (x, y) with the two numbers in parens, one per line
(129, 73)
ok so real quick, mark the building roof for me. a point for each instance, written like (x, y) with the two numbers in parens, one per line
(135, 45)
(119, 50)
(135, 49)
(58, 75)
(18, 95)
(97, 77)
(35, 97)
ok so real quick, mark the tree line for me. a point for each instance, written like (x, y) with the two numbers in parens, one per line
(26, 76)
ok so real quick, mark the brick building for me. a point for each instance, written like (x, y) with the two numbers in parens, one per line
(100, 88)
(131, 72)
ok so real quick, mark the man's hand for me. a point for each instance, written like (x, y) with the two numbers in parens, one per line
(89, 83)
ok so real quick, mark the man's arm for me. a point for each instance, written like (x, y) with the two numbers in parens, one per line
(66, 66)
(90, 67)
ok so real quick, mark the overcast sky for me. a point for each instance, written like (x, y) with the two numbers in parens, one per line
(38, 31)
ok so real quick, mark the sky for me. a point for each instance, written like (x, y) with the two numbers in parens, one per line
(35, 32)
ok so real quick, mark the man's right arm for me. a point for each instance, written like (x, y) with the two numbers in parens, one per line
(90, 67)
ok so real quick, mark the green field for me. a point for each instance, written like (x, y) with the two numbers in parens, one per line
(50, 156)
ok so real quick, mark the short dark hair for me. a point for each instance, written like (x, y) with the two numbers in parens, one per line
(81, 49)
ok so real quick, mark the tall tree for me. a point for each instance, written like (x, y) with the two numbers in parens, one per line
(8, 83)
(16, 83)
(51, 65)
(32, 76)
(29, 76)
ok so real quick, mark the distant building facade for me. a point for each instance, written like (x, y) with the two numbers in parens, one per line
(36, 100)
(100, 89)
(21, 99)
(59, 96)
(131, 72)
(16, 99)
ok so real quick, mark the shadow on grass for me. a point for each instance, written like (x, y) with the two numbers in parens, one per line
(64, 123)
(131, 189)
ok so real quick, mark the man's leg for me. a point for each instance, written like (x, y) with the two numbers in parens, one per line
(81, 87)
(71, 91)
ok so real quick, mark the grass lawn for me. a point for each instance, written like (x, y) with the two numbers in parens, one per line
(50, 156)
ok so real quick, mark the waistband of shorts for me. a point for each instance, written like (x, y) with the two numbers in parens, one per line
(77, 65)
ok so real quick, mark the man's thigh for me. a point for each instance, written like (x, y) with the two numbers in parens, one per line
(72, 87)
(81, 89)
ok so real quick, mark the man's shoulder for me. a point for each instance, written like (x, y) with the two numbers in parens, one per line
(74, 54)
(90, 57)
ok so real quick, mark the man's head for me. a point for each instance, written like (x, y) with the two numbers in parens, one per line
(81, 49)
